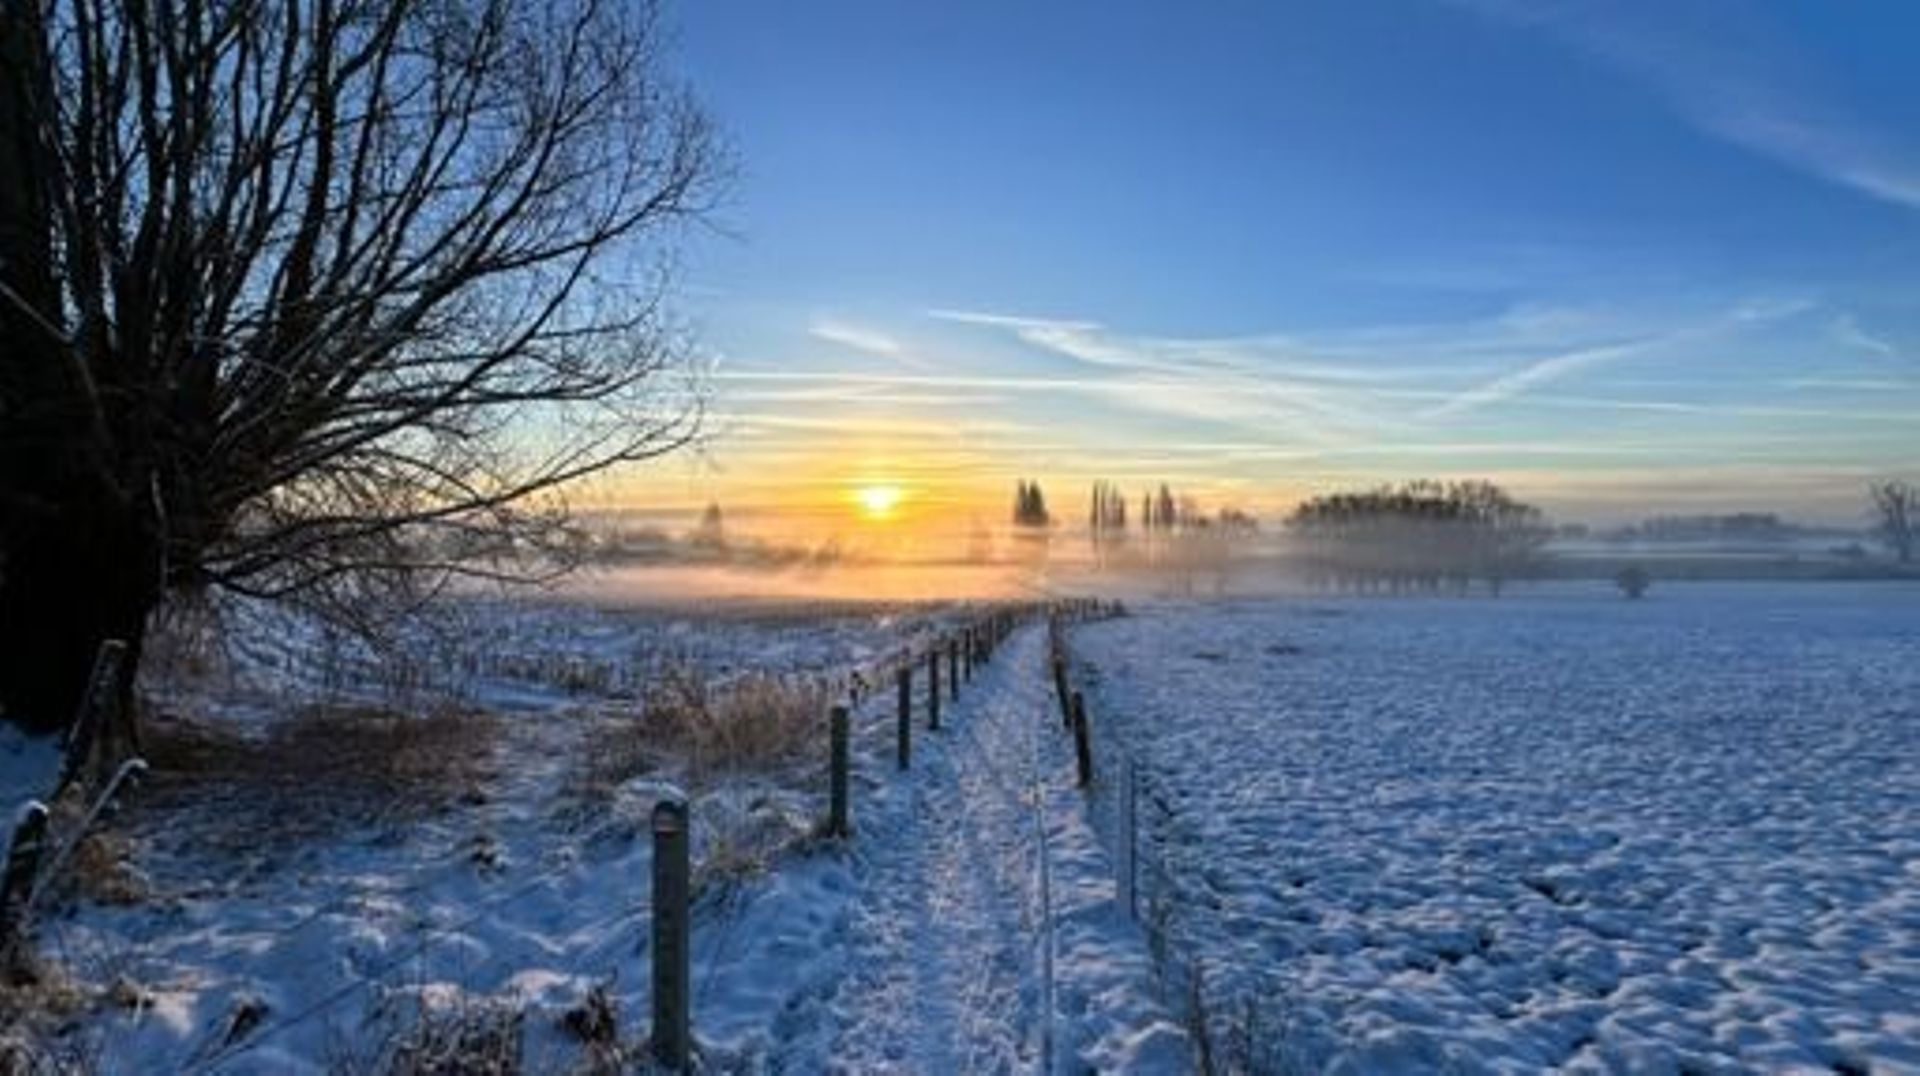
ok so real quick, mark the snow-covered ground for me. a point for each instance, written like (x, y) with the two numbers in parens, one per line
(983, 930)
(1554, 829)
(529, 652)
(283, 923)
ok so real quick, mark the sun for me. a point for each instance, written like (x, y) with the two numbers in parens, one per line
(877, 501)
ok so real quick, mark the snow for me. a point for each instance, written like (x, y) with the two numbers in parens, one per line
(946, 944)
(268, 944)
(533, 652)
(1554, 829)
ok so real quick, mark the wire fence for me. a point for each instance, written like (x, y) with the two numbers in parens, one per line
(955, 654)
(970, 643)
(1158, 859)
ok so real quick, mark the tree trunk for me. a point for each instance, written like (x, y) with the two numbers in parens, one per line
(70, 583)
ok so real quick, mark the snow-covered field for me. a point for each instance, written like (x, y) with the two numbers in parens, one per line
(534, 653)
(1554, 829)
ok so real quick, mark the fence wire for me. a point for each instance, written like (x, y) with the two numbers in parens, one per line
(1168, 909)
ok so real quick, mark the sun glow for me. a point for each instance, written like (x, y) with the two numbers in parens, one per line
(877, 501)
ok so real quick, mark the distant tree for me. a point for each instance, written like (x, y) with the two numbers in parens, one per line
(1106, 519)
(1896, 511)
(1238, 523)
(1030, 506)
(309, 298)
(1633, 581)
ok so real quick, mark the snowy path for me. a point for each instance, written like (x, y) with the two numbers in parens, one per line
(941, 957)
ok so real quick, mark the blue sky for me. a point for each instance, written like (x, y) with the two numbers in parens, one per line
(1619, 256)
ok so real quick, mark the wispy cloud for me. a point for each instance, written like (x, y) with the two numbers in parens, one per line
(1851, 384)
(1732, 80)
(1748, 314)
(1005, 321)
(1267, 356)
(857, 337)
(1276, 385)
(1529, 377)
(1847, 330)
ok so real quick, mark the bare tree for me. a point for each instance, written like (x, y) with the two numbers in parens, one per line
(303, 294)
(1896, 512)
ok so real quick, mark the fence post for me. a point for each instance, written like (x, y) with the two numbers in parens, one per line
(672, 948)
(1126, 825)
(837, 825)
(1082, 748)
(905, 747)
(96, 724)
(23, 864)
(1060, 691)
(933, 689)
(953, 668)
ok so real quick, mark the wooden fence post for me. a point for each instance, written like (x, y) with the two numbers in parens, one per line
(23, 865)
(1126, 826)
(96, 725)
(905, 747)
(1082, 745)
(1060, 691)
(672, 926)
(953, 668)
(837, 824)
(933, 689)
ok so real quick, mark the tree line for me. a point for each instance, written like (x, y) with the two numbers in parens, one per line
(1419, 536)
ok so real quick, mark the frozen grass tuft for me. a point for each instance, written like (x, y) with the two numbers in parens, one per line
(38, 1001)
(458, 1034)
(595, 1025)
(464, 1040)
(751, 724)
(755, 722)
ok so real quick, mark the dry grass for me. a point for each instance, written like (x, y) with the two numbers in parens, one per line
(753, 724)
(101, 871)
(595, 1024)
(317, 773)
(465, 1040)
(757, 722)
(36, 1006)
(414, 1035)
